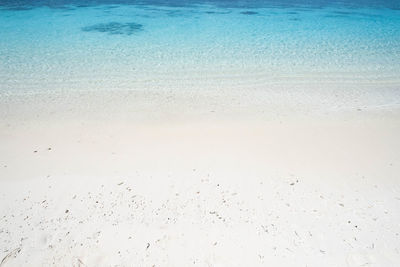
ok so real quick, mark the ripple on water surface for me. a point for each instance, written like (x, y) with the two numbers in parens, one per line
(94, 42)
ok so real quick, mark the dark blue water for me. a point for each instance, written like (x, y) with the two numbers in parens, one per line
(394, 4)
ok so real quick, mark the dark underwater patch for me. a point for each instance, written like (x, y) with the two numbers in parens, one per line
(217, 12)
(115, 28)
(355, 14)
(19, 8)
(249, 13)
(352, 15)
(67, 8)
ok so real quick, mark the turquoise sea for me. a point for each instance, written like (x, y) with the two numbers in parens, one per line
(111, 44)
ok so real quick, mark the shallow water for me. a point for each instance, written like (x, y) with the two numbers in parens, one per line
(49, 45)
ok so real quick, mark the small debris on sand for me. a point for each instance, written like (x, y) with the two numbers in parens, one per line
(81, 262)
(13, 253)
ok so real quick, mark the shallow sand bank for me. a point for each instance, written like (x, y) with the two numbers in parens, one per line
(101, 179)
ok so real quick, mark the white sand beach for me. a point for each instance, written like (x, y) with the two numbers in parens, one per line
(218, 178)
(210, 133)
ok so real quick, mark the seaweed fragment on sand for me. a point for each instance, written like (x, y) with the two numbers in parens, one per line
(12, 254)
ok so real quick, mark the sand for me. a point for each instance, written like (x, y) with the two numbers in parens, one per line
(199, 178)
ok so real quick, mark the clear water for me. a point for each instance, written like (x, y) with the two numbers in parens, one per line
(111, 44)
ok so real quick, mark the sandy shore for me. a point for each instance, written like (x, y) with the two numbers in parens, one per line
(133, 179)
